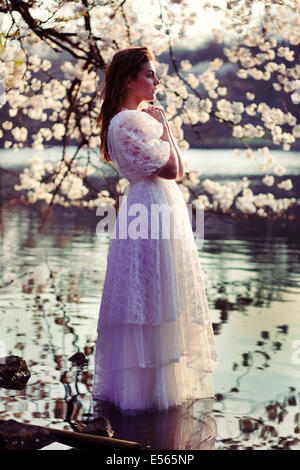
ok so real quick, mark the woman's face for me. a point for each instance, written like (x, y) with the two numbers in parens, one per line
(143, 88)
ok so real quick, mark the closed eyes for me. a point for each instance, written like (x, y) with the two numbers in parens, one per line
(151, 74)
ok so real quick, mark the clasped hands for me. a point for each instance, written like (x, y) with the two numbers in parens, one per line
(157, 113)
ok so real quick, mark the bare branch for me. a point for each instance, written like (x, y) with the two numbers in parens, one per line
(63, 40)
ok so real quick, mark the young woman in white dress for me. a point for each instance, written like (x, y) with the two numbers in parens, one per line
(155, 346)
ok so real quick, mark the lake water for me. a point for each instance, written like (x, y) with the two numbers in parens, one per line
(207, 161)
(50, 311)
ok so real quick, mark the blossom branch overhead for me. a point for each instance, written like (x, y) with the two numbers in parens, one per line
(52, 58)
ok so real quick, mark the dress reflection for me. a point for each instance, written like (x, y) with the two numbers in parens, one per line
(190, 426)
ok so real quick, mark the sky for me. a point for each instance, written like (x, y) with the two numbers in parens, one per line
(197, 34)
(206, 20)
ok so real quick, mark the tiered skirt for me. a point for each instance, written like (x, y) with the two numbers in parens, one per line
(160, 351)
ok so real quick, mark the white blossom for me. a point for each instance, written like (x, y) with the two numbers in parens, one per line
(192, 80)
(279, 170)
(20, 133)
(33, 87)
(250, 96)
(7, 125)
(216, 64)
(251, 110)
(202, 200)
(268, 180)
(244, 204)
(58, 130)
(295, 97)
(185, 65)
(222, 91)
(263, 150)
(286, 184)
(249, 153)
(296, 131)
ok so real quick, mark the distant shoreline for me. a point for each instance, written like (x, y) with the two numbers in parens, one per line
(208, 144)
(235, 144)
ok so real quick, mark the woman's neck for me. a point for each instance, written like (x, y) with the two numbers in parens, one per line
(131, 104)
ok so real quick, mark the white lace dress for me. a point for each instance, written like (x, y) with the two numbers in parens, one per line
(155, 345)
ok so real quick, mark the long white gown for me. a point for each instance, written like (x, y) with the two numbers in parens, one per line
(155, 346)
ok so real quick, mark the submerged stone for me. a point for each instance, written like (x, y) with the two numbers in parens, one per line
(14, 373)
(78, 359)
(19, 436)
(100, 426)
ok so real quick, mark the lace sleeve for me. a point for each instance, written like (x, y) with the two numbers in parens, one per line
(136, 137)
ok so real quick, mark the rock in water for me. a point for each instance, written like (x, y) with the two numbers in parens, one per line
(14, 373)
(78, 359)
(19, 436)
(100, 427)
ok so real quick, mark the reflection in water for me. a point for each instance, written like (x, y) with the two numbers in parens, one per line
(50, 312)
(270, 425)
(186, 427)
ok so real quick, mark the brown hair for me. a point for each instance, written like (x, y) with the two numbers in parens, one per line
(125, 65)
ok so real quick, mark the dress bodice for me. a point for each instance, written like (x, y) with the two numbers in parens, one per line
(135, 146)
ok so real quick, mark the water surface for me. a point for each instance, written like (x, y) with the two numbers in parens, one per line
(50, 311)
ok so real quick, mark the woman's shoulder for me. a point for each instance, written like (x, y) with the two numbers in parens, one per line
(132, 115)
(121, 116)
(135, 118)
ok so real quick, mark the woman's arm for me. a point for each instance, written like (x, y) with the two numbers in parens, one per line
(167, 135)
(178, 154)
(170, 170)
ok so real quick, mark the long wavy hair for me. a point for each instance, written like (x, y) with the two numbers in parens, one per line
(125, 65)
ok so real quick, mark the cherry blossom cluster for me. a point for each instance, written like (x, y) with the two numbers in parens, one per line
(63, 100)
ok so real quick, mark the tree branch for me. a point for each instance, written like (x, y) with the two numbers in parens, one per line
(59, 38)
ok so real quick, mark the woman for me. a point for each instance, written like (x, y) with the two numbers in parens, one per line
(155, 346)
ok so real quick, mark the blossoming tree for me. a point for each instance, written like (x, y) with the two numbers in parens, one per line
(63, 103)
